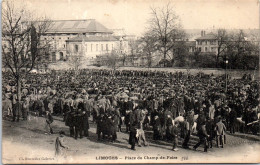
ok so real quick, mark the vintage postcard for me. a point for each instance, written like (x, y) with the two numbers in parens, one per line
(130, 81)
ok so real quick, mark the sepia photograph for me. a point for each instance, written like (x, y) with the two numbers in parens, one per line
(130, 81)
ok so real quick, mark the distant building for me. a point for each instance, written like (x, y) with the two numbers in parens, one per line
(207, 43)
(87, 38)
(191, 46)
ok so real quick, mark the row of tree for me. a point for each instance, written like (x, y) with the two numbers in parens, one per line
(165, 37)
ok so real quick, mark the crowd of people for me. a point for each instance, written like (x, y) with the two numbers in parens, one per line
(173, 105)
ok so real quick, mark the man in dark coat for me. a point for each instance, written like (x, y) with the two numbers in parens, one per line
(232, 120)
(78, 124)
(210, 128)
(133, 126)
(157, 129)
(174, 133)
(169, 126)
(115, 120)
(60, 105)
(69, 121)
(203, 135)
(100, 121)
(127, 121)
(85, 123)
(49, 120)
(186, 133)
(66, 111)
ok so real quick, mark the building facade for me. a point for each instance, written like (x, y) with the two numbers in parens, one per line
(87, 38)
(207, 43)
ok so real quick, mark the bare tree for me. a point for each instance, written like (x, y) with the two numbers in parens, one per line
(242, 54)
(148, 47)
(112, 59)
(222, 40)
(123, 58)
(76, 61)
(21, 36)
(180, 52)
(133, 45)
(165, 27)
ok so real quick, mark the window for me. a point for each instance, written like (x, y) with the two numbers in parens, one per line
(96, 47)
(211, 42)
(200, 49)
(206, 49)
(68, 38)
(106, 46)
(212, 49)
(206, 42)
(76, 48)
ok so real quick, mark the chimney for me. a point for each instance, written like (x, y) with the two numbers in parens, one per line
(202, 33)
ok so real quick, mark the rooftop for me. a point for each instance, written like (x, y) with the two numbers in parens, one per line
(209, 36)
(92, 38)
(77, 26)
(191, 43)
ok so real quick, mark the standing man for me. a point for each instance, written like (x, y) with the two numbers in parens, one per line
(187, 133)
(220, 131)
(100, 121)
(232, 120)
(25, 108)
(175, 132)
(202, 133)
(49, 120)
(85, 123)
(133, 127)
(78, 124)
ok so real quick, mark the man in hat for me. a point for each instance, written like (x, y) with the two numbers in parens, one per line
(203, 135)
(78, 124)
(85, 123)
(187, 132)
(232, 120)
(174, 133)
(157, 129)
(100, 122)
(133, 127)
(49, 120)
(220, 132)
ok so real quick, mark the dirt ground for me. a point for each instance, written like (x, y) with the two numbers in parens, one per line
(25, 142)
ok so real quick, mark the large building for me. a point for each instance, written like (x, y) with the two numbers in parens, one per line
(85, 38)
(207, 43)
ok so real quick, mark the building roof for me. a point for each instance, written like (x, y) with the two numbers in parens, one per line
(92, 38)
(77, 26)
(209, 36)
(191, 43)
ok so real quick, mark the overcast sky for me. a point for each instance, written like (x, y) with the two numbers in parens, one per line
(133, 14)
